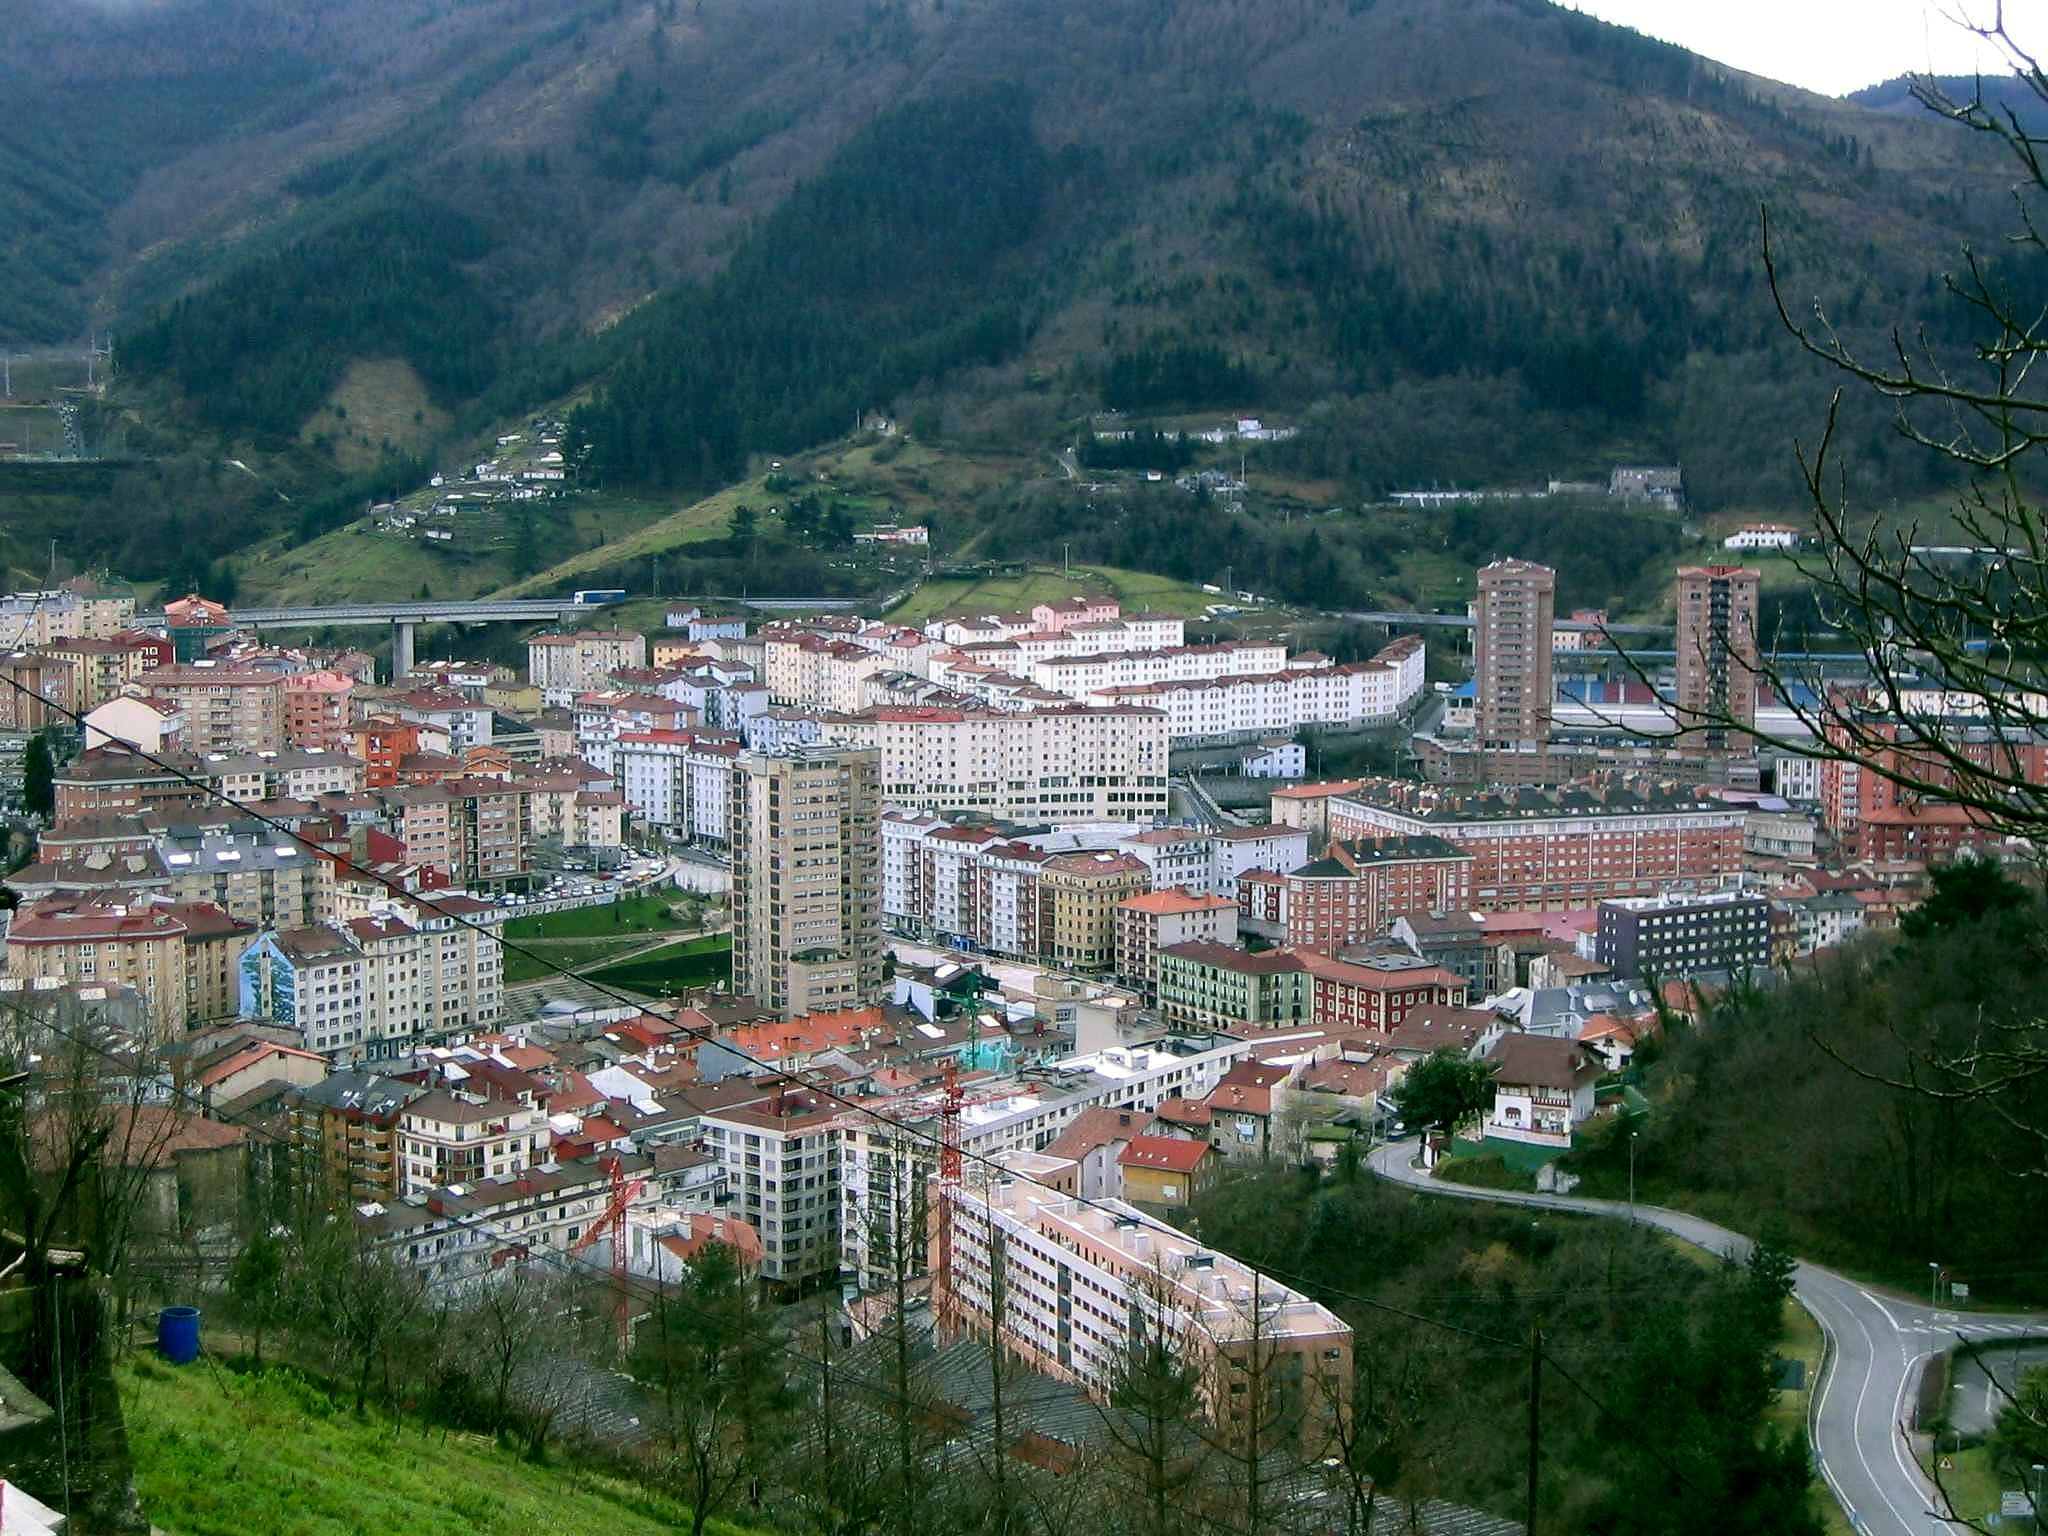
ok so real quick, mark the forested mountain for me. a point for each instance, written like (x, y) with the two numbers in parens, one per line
(1457, 239)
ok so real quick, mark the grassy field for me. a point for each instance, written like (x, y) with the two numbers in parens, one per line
(1972, 1482)
(380, 406)
(1136, 590)
(698, 523)
(35, 428)
(218, 1454)
(699, 962)
(629, 914)
(574, 955)
(355, 562)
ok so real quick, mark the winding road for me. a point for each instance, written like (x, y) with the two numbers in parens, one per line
(1877, 1344)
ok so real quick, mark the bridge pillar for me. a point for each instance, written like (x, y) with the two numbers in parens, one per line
(402, 631)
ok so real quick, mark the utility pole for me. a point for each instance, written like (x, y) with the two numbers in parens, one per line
(1535, 1421)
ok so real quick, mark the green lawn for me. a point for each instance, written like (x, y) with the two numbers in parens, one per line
(577, 955)
(699, 962)
(1973, 1484)
(1136, 590)
(629, 914)
(356, 562)
(220, 1454)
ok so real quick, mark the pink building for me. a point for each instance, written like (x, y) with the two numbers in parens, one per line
(316, 709)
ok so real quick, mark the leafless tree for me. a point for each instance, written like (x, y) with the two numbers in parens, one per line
(1951, 627)
(1154, 1399)
(504, 1326)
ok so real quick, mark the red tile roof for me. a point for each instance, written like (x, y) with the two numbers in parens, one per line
(1168, 1153)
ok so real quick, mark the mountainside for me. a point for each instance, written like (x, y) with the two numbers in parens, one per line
(1456, 240)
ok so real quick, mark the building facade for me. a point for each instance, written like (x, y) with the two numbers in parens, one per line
(806, 879)
(1512, 647)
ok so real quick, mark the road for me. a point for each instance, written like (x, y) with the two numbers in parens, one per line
(1877, 1345)
(1983, 1383)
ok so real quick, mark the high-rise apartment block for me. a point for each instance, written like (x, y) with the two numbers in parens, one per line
(806, 879)
(1717, 654)
(1511, 646)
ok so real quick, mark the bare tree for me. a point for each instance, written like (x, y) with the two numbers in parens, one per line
(1951, 629)
(1155, 1397)
(710, 1354)
(504, 1326)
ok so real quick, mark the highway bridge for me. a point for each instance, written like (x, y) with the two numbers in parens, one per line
(1401, 617)
(405, 618)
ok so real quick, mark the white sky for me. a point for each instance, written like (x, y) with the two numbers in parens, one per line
(1833, 46)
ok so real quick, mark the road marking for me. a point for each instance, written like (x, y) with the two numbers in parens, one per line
(1915, 1478)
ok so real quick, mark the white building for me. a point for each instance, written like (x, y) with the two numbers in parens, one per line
(1178, 857)
(781, 1162)
(1273, 847)
(1078, 1279)
(679, 782)
(1065, 764)
(450, 1137)
(1778, 536)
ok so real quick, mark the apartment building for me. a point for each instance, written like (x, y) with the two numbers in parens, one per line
(1058, 764)
(1239, 707)
(1079, 1281)
(312, 980)
(462, 1236)
(110, 943)
(886, 1166)
(1239, 850)
(1078, 895)
(101, 667)
(806, 879)
(1009, 918)
(1612, 834)
(227, 709)
(1511, 641)
(427, 978)
(562, 666)
(448, 1136)
(678, 782)
(293, 773)
(1151, 922)
(35, 690)
(820, 672)
(1217, 986)
(317, 710)
(1717, 656)
(1182, 858)
(1357, 888)
(1675, 936)
(479, 830)
(781, 1162)
(344, 1131)
(446, 712)
(1377, 992)
(112, 779)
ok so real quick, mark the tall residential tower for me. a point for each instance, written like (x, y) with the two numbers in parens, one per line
(1511, 646)
(1717, 655)
(807, 879)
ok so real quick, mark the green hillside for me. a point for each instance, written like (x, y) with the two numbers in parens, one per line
(221, 1454)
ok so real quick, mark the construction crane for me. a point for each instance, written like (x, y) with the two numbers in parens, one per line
(950, 1105)
(612, 1222)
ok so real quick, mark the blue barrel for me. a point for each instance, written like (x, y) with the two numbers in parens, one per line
(177, 1334)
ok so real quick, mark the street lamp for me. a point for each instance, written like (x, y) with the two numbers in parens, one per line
(1933, 1283)
(1631, 1175)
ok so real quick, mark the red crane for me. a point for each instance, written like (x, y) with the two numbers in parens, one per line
(950, 1105)
(612, 1222)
